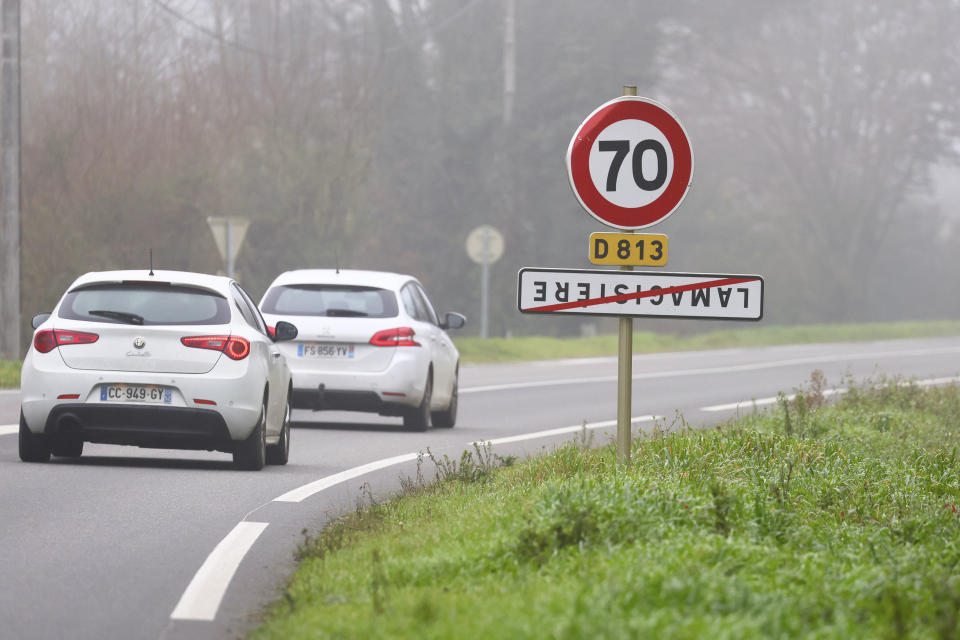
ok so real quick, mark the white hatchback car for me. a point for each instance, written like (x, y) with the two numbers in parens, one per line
(163, 359)
(369, 341)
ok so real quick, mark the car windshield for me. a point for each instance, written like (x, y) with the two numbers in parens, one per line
(331, 300)
(145, 303)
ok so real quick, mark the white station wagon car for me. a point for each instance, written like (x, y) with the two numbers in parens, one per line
(368, 341)
(162, 359)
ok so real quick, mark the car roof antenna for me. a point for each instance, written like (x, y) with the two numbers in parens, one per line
(336, 259)
(151, 262)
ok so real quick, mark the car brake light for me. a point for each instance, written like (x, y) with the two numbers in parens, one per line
(399, 337)
(235, 347)
(49, 339)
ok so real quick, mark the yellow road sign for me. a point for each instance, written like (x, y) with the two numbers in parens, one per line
(629, 249)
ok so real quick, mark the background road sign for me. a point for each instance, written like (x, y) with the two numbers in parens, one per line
(640, 293)
(628, 249)
(485, 244)
(630, 163)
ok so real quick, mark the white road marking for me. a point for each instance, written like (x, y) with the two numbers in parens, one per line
(9, 429)
(760, 402)
(203, 595)
(756, 366)
(562, 430)
(301, 493)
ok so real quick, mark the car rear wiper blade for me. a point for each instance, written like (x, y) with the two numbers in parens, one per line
(122, 316)
(346, 313)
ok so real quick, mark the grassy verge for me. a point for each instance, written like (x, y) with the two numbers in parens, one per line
(9, 374)
(536, 348)
(808, 521)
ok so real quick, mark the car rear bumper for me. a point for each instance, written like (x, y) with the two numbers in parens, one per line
(323, 399)
(142, 426)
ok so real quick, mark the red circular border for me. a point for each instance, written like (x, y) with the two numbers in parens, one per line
(579, 163)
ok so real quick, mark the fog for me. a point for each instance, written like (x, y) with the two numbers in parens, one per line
(377, 133)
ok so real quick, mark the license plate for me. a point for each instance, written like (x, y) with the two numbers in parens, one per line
(325, 350)
(143, 393)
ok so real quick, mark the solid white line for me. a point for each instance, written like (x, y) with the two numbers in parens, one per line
(562, 430)
(759, 402)
(203, 595)
(301, 493)
(9, 429)
(757, 366)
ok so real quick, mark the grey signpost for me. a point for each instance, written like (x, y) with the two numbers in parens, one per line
(484, 246)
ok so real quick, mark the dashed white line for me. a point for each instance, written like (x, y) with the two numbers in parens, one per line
(562, 430)
(9, 429)
(205, 592)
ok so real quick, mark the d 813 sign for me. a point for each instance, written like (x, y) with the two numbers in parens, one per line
(630, 163)
(629, 249)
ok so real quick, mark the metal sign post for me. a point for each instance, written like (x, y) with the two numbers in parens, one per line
(625, 369)
(484, 246)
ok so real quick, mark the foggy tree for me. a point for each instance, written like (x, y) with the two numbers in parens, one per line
(821, 122)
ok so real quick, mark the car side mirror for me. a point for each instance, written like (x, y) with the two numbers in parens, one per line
(284, 331)
(39, 319)
(453, 320)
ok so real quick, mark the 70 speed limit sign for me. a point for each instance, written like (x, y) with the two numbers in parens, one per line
(630, 163)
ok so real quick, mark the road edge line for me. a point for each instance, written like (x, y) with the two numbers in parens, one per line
(202, 597)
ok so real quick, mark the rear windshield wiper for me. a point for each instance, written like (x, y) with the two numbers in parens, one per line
(346, 313)
(122, 316)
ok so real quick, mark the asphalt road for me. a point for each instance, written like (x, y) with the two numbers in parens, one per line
(138, 543)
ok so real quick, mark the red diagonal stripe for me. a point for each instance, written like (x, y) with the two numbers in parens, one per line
(709, 284)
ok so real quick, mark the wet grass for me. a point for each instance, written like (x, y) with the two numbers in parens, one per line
(809, 520)
(537, 348)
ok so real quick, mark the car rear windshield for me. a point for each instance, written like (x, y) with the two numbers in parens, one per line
(145, 303)
(330, 300)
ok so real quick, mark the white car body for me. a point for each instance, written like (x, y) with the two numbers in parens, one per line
(209, 401)
(338, 365)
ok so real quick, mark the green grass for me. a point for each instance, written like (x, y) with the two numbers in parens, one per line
(536, 348)
(804, 522)
(9, 374)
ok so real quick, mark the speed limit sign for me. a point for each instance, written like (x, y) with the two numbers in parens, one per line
(630, 163)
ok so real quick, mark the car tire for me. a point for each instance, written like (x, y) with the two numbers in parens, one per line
(68, 447)
(251, 454)
(279, 453)
(446, 418)
(33, 448)
(418, 418)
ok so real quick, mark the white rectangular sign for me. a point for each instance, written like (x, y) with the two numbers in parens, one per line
(640, 293)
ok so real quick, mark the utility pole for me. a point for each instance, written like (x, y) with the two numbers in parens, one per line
(10, 182)
(509, 61)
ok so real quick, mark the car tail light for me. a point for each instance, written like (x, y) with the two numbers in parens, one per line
(235, 347)
(49, 339)
(399, 337)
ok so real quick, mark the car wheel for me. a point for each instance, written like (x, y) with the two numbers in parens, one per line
(68, 447)
(33, 448)
(448, 417)
(418, 418)
(279, 453)
(251, 454)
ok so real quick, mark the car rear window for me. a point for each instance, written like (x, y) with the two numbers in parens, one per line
(330, 300)
(145, 303)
